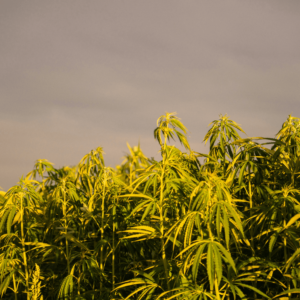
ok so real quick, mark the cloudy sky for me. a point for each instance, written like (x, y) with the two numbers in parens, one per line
(75, 75)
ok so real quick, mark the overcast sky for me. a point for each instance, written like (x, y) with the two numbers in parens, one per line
(75, 75)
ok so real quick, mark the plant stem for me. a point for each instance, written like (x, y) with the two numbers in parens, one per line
(102, 233)
(163, 250)
(23, 249)
(113, 247)
(66, 229)
(284, 245)
(15, 288)
(217, 288)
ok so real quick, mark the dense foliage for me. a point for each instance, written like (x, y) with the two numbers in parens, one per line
(227, 228)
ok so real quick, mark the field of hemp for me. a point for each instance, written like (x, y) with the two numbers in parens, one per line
(227, 228)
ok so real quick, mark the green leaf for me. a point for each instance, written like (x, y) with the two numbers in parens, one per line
(254, 289)
(292, 220)
(273, 240)
(242, 171)
(210, 266)
(5, 283)
(292, 258)
(227, 255)
(3, 219)
(288, 292)
(226, 228)
(197, 261)
(10, 219)
(147, 210)
(218, 263)
(66, 287)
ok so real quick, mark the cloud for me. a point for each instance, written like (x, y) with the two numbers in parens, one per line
(76, 75)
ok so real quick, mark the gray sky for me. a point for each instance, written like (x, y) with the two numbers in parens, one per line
(75, 75)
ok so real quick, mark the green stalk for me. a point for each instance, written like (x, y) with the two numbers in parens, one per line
(251, 229)
(93, 296)
(78, 292)
(224, 160)
(284, 247)
(102, 234)
(113, 247)
(251, 205)
(217, 288)
(130, 173)
(15, 288)
(161, 212)
(250, 190)
(67, 252)
(66, 231)
(24, 250)
(163, 250)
